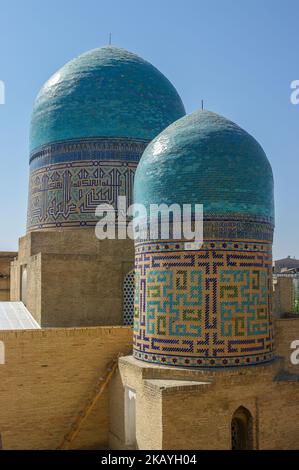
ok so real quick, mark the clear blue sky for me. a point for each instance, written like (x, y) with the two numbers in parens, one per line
(240, 56)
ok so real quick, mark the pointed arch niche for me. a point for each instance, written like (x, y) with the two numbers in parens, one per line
(242, 429)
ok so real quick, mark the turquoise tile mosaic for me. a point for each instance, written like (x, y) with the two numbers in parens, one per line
(106, 92)
(91, 122)
(208, 307)
(205, 158)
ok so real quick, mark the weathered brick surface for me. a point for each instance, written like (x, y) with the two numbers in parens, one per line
(148, 409)
(283, 296)
(173, 412)
(6, 257)
(74, 279)
(46, 380)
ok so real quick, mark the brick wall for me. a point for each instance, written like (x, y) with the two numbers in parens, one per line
(5, 260)
(74, 279)
(46, 380)
(193, 409)
(186, 409)
(283, 296)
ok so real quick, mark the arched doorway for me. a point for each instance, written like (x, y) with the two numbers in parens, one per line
(241, 430)
(128, 298)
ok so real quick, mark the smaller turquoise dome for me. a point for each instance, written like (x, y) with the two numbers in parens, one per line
(206, 159)
(105, 92)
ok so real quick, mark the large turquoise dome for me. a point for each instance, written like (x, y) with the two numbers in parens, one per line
(204, 298)
(106, 92)
(205, 158)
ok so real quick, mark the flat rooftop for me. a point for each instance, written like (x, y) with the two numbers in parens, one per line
(15, 316)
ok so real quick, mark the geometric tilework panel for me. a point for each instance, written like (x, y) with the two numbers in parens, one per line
(128, 298)
(204, 308)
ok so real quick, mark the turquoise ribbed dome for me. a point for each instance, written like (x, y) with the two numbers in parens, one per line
(106, 92)
(205, 158)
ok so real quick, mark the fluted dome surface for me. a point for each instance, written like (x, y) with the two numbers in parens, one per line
(205, 158)
(106, 92)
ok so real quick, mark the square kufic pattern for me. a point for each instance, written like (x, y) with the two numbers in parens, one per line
(205, 304)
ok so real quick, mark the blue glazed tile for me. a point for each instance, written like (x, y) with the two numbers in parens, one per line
(106, 92)
(206, 159)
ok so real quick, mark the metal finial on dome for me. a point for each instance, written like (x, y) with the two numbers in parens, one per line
(201, 104)
(110, 38)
